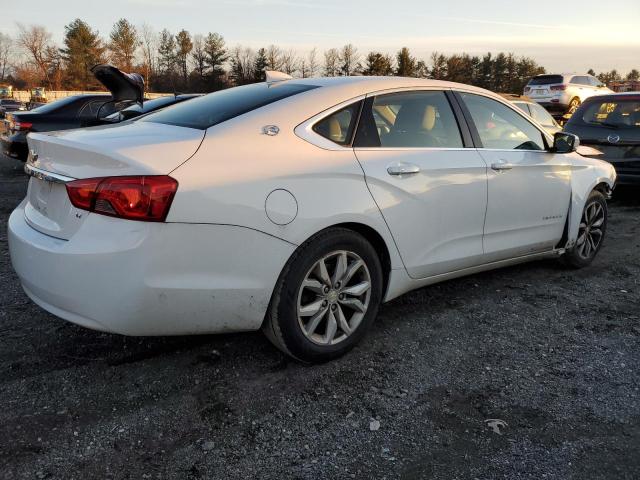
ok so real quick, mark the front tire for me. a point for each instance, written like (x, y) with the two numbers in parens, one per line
(593, 226)
(326, 297)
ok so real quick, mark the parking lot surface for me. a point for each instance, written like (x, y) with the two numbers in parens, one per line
(552, 353)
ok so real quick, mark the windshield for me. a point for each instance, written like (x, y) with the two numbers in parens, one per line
(546, 80)
(623, 113)
(218, 107)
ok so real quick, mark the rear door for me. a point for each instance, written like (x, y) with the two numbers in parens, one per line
(430, 186)
(528, 187)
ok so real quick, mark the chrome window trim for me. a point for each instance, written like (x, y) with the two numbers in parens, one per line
(45, 175)
(305, 129)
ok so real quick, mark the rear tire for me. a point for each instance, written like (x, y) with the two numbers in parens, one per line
(318, 313)
(593, 226)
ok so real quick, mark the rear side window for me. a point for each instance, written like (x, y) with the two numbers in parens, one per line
(501, 128)
(421, 119)
(546, 80)
(338, 127)
(622, 113)
(218, 107)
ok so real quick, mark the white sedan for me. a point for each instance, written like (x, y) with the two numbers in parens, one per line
(296, 206)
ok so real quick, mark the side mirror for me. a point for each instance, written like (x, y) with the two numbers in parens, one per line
(564, 142)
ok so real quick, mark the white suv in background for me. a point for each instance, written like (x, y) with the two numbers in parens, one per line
(562, 94)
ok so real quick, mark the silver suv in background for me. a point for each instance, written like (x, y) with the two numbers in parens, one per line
(562, 94)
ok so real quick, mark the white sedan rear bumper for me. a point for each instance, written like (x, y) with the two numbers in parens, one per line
(138, 278)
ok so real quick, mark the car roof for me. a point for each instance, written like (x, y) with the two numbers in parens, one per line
(361, 85)
(614, 96)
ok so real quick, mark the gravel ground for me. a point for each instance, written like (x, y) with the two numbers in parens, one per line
(554, 353)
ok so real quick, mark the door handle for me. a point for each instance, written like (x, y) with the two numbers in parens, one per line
(402, 169)
(501, 165)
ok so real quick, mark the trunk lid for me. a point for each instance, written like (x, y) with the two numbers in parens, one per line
(123, 86)
(136, 148)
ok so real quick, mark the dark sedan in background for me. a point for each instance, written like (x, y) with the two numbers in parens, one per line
(10, 105)
(611, 124)
(72, 112)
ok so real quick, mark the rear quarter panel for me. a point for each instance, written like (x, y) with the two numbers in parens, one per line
(229, 178)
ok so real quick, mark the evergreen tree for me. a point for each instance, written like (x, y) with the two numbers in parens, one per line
(406, 63)
(633, 75)
(260, 65)
(378, 64)
(216, 54)
(123, 43)
(83, 49)
(591, 72)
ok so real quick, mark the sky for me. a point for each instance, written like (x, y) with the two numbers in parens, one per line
(561, 35)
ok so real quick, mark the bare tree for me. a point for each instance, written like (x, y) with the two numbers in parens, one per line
(332, 62)
(149, 41)
(289, 62)
(309, 64)
(349, 60)
(242, 61)
(313, 62)
(274, 58)
(199, 55)
(35, 39)
(6, 48)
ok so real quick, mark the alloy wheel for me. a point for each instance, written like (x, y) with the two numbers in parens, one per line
(334, 297)
(590, 232)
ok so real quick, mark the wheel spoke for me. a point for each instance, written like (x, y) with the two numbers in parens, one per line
(580, 240)
(332, 327)
(341, 267)
(323, 274)
(315, 321)
(596, 231)
(311, 308)
(353, 268)
(354, 304)
(597, 223)
(313, 285)
(357, 289)
(342, 321)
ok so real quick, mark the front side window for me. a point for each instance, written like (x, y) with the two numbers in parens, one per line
(501, 128)
(338, 127)
(409, 120)
(209, 110)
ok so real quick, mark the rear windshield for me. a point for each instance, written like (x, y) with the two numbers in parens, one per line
(50, 107)
(546, 80)
(611, 113)
(218, 107)
(10, 102)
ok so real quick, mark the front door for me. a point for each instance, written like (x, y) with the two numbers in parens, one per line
(431, 190)
(529, 187)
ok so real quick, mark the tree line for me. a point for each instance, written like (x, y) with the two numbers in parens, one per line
(185, 62)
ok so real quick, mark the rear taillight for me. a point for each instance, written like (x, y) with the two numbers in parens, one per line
(144, 198)
(558, 87)
(22, 126)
